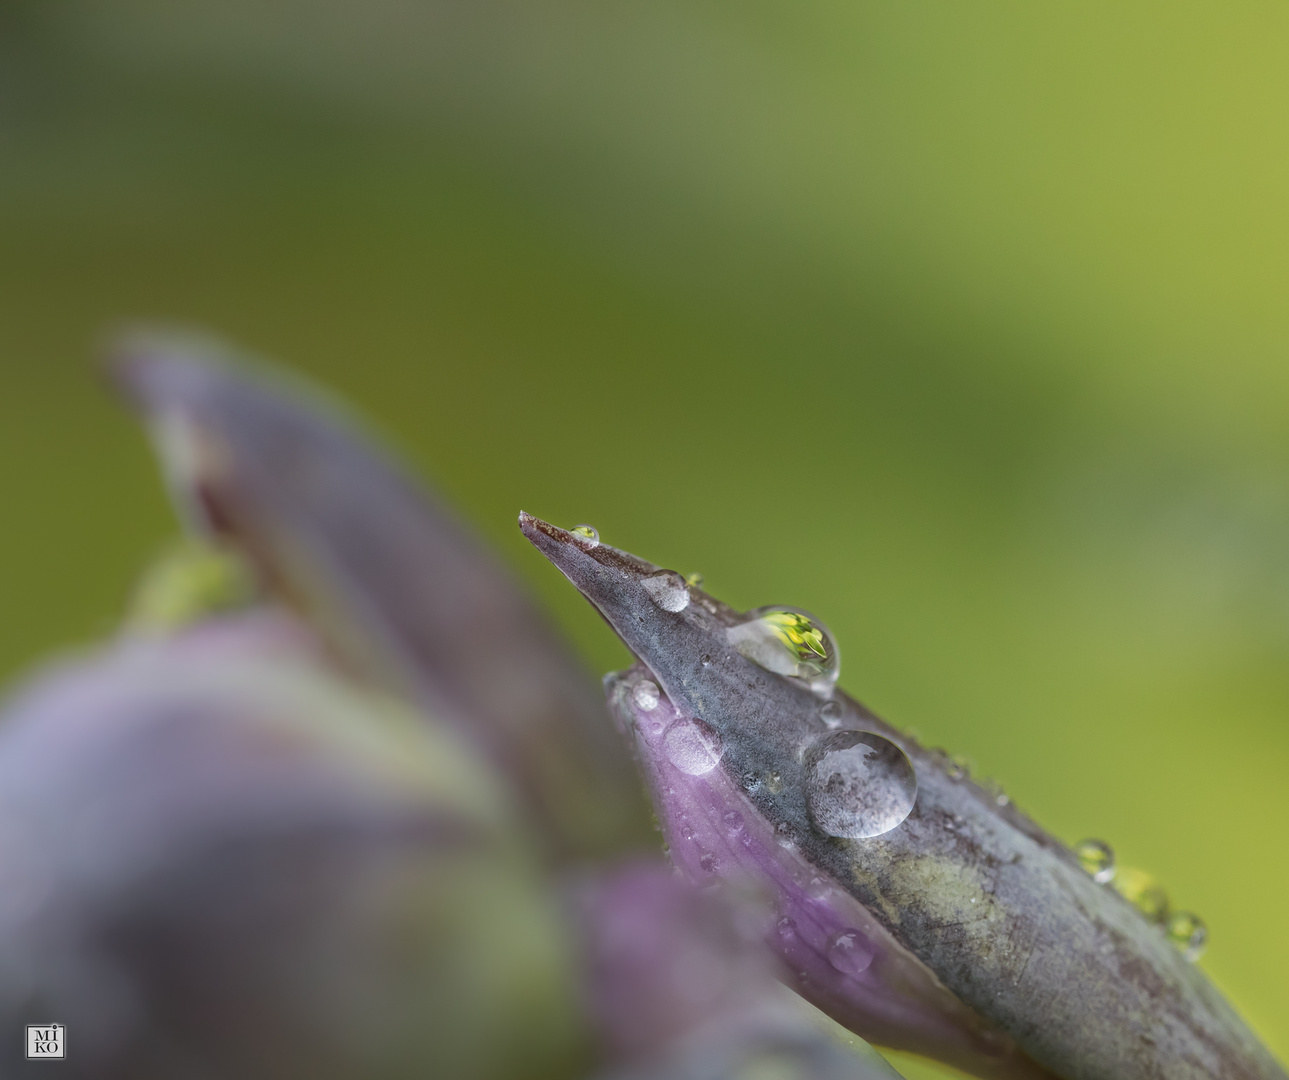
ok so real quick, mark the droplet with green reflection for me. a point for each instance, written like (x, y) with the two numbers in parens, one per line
(1097, 858)
(1143, 892)
(1187, 931)
(789, 642)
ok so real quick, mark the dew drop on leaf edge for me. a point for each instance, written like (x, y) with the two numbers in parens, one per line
(667, 589)
(791, 642)
(645, 695)
(1143, 892)
(1097, 858)
(587, 534)
(1187, 931)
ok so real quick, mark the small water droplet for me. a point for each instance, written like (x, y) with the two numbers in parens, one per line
(789, 642)
(667, 589)
(1143, 892)
(773, 782)
(959, 767)
(858, 784)
(850, 952)
(1097, 858)
(705, 660)
(693, 747)
(733, 820)
(830, 714)
(686, 829)
(645, 695)
(1002, 799)
(708, 862)
(1187, 931)
(587, 536)
(694, 580)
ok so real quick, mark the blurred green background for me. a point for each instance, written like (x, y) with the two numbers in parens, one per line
(963, 326)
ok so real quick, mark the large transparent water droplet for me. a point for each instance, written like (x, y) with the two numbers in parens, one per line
(1187, 931)
(1143, 892)
(586, 535)
(667, 589)
(858, 784)
(1097, 858)
(789, 642)
(850, 952)
(692, 747)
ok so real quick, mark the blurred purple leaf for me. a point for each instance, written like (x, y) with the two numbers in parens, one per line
(397, 586)
(219, 859)
(683, 988)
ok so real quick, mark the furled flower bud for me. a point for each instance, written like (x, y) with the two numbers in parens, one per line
(912, 906)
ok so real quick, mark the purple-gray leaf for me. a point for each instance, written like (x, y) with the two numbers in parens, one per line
(964, 932)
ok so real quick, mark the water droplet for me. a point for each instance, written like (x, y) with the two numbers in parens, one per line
(587, 536)
(858, 784)
(1002, 799)
(708, 862)
(694, 580)
(693, 747)
(850, 952)
(789, 642)
(667, 589)
(1187, 931)
(830, 714)
(705, 660)
(1097, 858)
(645, 695)
(1143, 892)
(733, 820)
(773, 783)
(959, 767)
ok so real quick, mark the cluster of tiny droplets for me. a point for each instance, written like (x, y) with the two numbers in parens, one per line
(1184, 929)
